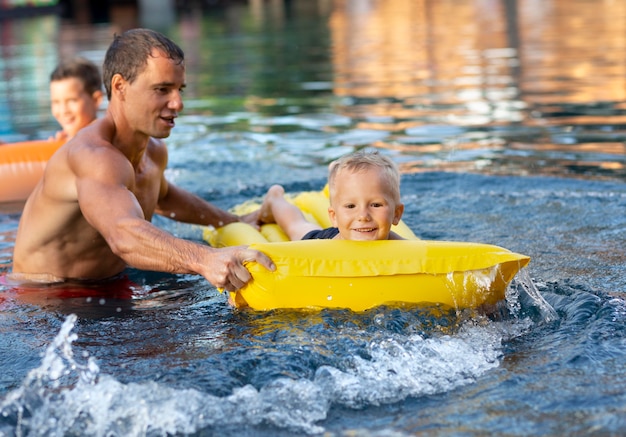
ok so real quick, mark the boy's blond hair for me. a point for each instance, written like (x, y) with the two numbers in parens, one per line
(362, 160)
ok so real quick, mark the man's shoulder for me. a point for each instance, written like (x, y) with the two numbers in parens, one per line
(94, 135)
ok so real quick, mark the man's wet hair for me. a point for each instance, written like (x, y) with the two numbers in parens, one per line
(129, 52)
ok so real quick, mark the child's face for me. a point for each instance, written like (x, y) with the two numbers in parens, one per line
(362, 206)
(72, 106)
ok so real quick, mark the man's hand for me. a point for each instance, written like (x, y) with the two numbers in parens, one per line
(226, 270)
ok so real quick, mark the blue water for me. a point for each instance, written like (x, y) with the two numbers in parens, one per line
(488, 155)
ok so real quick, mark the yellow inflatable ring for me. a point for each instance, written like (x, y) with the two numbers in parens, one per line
(360, 275)
(21, 167)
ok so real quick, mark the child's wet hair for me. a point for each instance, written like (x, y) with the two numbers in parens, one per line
(82, 69)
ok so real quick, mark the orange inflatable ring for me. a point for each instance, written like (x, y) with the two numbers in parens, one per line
(21, 167)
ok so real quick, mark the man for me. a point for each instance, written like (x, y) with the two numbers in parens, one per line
(89, 217)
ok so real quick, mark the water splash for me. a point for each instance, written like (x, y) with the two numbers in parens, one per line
(412, 366)
(57, 372)
(66, 397)
(523, 297)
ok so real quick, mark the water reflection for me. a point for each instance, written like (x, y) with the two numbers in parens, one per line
(481, 65)
(28, 56)
(433, 61)
(505, 87)
(584, 66)
(475, 51)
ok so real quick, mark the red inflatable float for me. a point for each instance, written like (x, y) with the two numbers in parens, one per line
(21, 167)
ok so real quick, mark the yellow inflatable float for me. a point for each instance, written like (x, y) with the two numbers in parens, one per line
(360, 275)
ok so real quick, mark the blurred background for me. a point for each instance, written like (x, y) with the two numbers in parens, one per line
(533, 78)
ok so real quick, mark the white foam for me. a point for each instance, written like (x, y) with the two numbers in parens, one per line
(401, 368)
(63, 396)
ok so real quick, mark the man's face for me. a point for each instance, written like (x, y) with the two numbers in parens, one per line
(154, 99)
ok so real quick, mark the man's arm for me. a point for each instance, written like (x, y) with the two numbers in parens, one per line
(109, 205)
(142, 245)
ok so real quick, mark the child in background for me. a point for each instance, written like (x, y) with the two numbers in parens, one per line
(75, 95)
(364, 202)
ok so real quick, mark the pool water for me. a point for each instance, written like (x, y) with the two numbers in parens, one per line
(507, 120)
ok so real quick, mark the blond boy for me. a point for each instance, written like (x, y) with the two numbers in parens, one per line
(364, 202)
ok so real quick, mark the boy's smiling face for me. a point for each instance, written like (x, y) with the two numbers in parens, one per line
(363, 205)
(72, 106)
